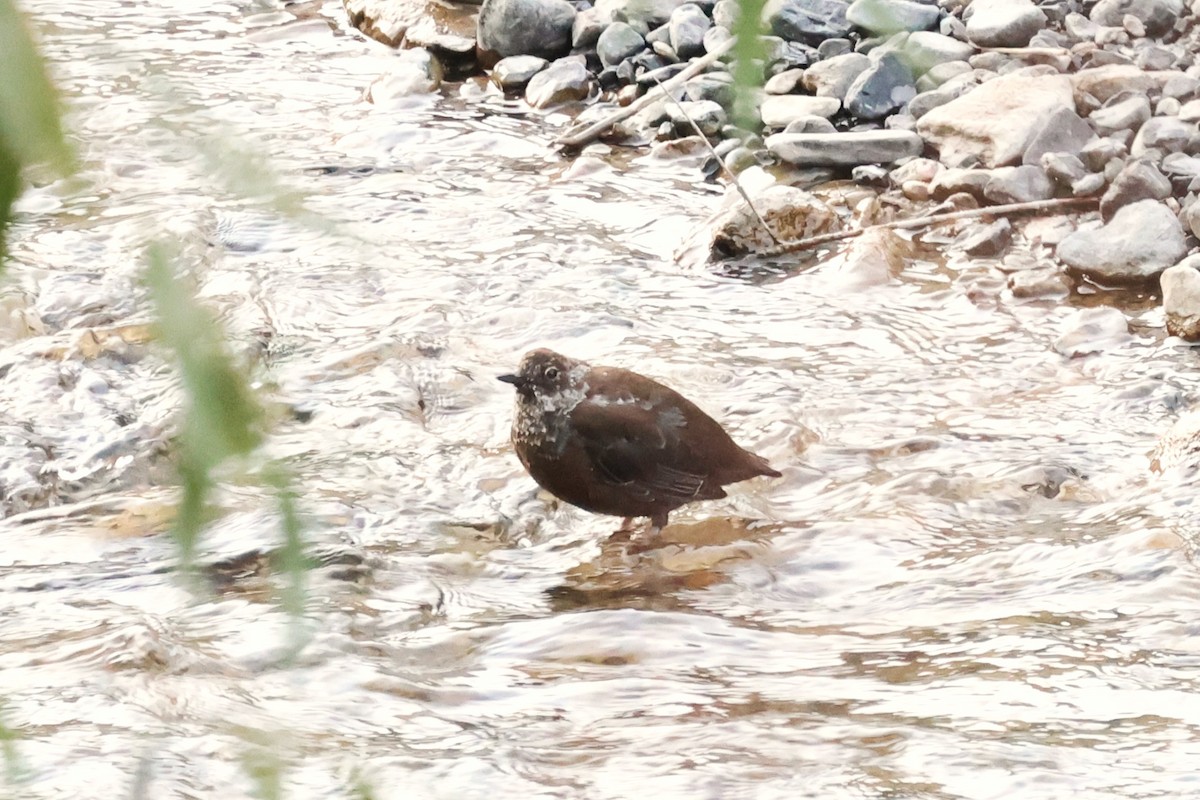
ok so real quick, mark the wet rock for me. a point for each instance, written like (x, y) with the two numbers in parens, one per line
(808, 21)
(564, 81)
(880, 89)
(1092, 330)
(1043, 282)
(1181, 300)
(1024, 184)
(1111, 255)
(1062, 131)
(994, 124)
(1137, 180)
(831, 48)
(889, 16)
(985, 239)
(414, 23)
(810, 124)
(1123, 112)
(526, 27)
(917, 169)
(513, 73)
(708, 116)
(415, 71)
(687, 27)
(618, 42)
(1181, 166)
(862, 147)
(792, 214)
(924, 50)
(648, 13)
(833, 76)
(1156, 16)
(1089, 185)
(778, 110)
(1180, 86)
(1164, 134)
(1004, 23)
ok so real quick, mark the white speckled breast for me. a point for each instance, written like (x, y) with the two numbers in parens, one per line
(543, 419)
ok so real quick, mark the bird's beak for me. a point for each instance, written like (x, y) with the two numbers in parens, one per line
(515, 380)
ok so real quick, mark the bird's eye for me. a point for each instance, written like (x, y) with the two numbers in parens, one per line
(551, 373)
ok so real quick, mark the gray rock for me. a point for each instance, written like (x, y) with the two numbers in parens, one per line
(939, 74)
(649, 14)
(1106, 81)
(725, 14)
(810, 125)
(809, 21)
(563, 81)
(619, 42)
(715, 86)
(1063, 168)
(1191, 216)
(739, 158)
(737, 229)
(1023, 184)
(834, 47)
(889, 16)
(1110, 254)
(714, 37)
(586, 29)
(881, 88)
(922, 170)
(1180, 86)
(950, 182)
(708, 116)
(1137, 180)
(1181, 300)
(1152, 58)
(666, 52)
(1089, 185)
(1165, 134)
(777, 111)
(985, 239)
(1158, 16)
(687, 27)
(526, 27)
(1079, 27)
(833, 76)
(1168, 107)
(1039, 282)
(925, 102)
(994, 124)
(1123, 112)
(845, 149)
(925, 49)
(1181, 166)
(785, 82)
(1097, 154)
(1092, 330)
(1004, 23)
(512, 73)
(1062, 131)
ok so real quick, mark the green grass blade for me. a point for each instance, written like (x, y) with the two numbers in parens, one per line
(30, 118)
(749, 55)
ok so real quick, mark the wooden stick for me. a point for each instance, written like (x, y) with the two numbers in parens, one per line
(1060, 204)
(586, 134)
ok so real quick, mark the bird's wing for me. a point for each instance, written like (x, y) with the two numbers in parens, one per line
(638, 449)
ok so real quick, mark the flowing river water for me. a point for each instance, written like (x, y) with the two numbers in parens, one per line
(967, 584)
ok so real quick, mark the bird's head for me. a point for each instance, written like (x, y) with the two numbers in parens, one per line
(543, 373)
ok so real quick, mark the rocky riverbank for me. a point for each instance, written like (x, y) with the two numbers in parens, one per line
(933, 106)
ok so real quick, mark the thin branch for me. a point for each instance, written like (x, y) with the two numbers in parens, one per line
(1060, 204)
(732, 177)
(585, 134)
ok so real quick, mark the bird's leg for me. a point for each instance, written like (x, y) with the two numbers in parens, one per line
(652, 538)
(624, 532)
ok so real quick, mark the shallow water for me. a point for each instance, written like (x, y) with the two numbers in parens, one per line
(966, 585)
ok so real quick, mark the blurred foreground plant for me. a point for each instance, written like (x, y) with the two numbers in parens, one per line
(30, 127)
(224, 421)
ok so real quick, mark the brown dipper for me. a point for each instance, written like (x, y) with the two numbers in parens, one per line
(615, 442)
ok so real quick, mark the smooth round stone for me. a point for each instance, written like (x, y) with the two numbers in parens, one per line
(708, 116)
(563, 81)
(845, 149)
(1181, 300)
(686, 28)
(1110, 255)
(1004, 23)
(514, 72)
(618, 42)
(889, 16)
(526, 27)
(778, 110)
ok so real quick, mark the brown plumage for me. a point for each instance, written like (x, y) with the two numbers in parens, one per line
(615, 442)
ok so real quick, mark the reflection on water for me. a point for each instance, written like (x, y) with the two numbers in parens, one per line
(966, 585)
